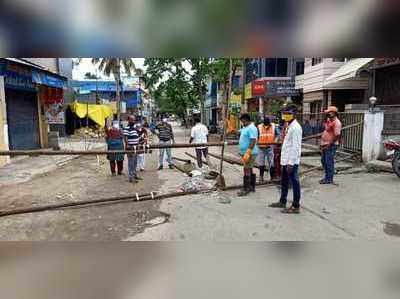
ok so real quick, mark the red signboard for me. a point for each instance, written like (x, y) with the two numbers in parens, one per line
(382, 62)
(258, 88)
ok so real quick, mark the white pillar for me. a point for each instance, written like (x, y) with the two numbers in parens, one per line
(261, 106)
(372, 138)
(4, 144)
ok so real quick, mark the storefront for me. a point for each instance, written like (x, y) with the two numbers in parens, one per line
(387, 78)
(22, 109)
(29, 103)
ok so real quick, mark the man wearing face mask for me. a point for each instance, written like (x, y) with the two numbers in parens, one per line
(329, 143)
(165, 136)
(267, 134)
(249, 151)
(132, 140)
(290, 161)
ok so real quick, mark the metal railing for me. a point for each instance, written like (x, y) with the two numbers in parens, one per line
(351, 140)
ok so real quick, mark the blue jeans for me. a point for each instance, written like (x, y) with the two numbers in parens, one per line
(328, 162)
(162, 152)
(293, 177)
(132, 165)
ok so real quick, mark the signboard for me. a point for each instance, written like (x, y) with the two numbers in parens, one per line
(281, 88)
(258, 88)
(247, 91)
(382, 62)
(16, 76)
(235, 101)
(55, 113)
(47, 79)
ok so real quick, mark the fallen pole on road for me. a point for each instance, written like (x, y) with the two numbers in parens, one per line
(232, 161)
(181, 160)
(122, 199)
(321, 168)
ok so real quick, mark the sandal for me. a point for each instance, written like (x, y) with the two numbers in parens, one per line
(291, 210)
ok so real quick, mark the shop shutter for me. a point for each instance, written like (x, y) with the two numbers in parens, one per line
(23, 120)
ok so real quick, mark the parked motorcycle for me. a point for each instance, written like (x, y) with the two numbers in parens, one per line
(393, 149)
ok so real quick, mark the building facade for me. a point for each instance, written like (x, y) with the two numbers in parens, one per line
(333, 81)
(31, 98)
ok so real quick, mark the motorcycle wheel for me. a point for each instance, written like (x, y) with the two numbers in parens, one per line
(396, 165)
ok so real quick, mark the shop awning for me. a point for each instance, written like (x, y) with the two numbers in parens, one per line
(97, 113)
(348, 71)
(43, 78)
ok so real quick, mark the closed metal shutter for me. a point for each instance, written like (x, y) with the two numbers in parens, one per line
(23, 119)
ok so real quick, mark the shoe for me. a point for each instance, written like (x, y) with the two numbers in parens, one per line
(113, 174)
(323, 182)
(291, 210)
(130, 180)
(261, 180)
(171, 167)
(119, 173)
(138, 178)
(278, 205)
(246, 187)
(160, 168)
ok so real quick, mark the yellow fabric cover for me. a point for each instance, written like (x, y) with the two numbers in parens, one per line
(97, 113)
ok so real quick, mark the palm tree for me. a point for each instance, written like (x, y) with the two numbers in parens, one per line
(113, 66)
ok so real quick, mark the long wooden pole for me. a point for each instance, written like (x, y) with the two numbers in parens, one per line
(225, 116)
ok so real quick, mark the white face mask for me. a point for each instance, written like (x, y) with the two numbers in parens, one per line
(164, 120)
(115, 125)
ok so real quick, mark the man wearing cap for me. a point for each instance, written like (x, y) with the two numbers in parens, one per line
(329, 143)
(290, 160)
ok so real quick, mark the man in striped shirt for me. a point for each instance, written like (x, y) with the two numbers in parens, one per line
(166, 136)
(132, 140)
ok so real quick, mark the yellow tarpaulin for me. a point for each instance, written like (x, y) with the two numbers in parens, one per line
(97, 113)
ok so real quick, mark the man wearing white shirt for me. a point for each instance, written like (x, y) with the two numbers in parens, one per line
(199, 135)
(290, 161)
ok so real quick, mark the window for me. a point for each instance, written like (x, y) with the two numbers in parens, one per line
(276, 67)
(299, 68)
(316, 60)
(282, 65)
(338, 59)
(270, 67)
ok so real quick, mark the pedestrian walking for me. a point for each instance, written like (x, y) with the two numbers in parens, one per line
(166, 136)
(249, 151)
(141, 163)
(267, 133)
(290, 161)
(198, 135)
(132, 140)
(329, 143)
(115, 141)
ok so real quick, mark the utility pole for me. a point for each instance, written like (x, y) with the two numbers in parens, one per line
(118, 95)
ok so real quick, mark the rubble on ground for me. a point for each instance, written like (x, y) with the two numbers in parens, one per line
(91, 132)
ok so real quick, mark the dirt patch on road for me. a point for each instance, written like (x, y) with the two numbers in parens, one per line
(82, 179)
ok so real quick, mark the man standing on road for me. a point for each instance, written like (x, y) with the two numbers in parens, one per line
(166, 136)
(249, 151)
(198, 135)
(267, 133)
(290, 161)
(329, 143)
(132, 140)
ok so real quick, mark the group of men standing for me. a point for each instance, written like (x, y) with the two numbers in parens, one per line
(262, 143)
(134, 137)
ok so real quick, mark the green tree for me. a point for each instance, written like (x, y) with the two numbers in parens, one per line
(113, 66)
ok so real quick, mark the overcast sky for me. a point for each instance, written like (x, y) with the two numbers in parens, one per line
(78, 73)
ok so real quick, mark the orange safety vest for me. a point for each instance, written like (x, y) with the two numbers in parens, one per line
(266, 135)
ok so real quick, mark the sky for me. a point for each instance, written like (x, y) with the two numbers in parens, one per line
(78, 73)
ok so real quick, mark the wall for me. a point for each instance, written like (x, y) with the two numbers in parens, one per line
(3, 124)
(65, 67)
(51, 64)
(315, 75)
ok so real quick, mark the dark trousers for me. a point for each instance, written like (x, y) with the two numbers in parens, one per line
(293, 178)
(200, 152)
(328, 162)
(119, 164)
